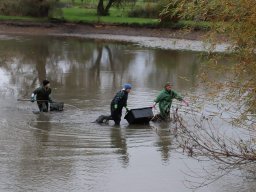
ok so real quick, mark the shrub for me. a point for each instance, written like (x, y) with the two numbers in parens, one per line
(8, 8)
(150, 10)
(34, 8)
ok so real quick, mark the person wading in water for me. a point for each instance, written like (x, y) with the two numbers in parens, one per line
(164, 99)
(42, 96)
(118, 102)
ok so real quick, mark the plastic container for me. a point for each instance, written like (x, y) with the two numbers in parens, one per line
(139, 116)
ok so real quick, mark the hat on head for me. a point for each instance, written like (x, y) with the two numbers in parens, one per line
(167, 84)
(45, 82)
(127, 86)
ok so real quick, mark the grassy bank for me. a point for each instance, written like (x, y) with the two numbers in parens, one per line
(79, 15)
(85, 13)
(21, 18)
(112, 20)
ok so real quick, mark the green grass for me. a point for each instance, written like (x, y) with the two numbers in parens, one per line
(21, 18)
(79, 15)
(95, 2)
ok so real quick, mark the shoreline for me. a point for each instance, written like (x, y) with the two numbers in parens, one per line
(161, 38)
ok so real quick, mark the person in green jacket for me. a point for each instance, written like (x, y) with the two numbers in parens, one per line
(165, 101)
(42, 96)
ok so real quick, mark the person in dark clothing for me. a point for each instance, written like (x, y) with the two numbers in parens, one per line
(42, 96)
(118, 102)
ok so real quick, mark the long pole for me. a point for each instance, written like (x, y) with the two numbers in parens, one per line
(30, 100)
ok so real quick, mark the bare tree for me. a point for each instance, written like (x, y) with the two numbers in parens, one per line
(216, 137)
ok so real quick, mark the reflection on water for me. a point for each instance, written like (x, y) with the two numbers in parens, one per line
(65, 151)
(91, 66)
(119, 142)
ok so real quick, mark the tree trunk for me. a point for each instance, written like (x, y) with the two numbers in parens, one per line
(110, 2)
(100, 8)
(101, 11)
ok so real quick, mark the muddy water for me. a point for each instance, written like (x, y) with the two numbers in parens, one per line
(67, 152)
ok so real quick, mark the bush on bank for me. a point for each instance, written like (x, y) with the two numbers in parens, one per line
(34, 8)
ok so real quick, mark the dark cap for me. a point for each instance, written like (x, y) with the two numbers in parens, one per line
(45, 82)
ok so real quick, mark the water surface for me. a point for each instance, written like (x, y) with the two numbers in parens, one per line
(67, 152)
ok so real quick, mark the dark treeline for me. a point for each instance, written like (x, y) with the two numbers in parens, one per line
(35, 8)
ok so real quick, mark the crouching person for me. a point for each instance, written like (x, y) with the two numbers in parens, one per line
(42, 96)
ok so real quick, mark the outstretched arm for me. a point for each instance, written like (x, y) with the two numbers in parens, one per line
(180, 98)
(33, 95)
(158, 99)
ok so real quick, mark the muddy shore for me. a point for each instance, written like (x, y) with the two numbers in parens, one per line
(49, 28)
(148, 37)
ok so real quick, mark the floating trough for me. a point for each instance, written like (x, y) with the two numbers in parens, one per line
(139, 115)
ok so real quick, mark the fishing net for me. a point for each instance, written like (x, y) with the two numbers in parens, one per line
(57, 106)
(103, 119)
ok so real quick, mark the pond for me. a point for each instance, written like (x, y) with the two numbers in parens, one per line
(66, 151)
